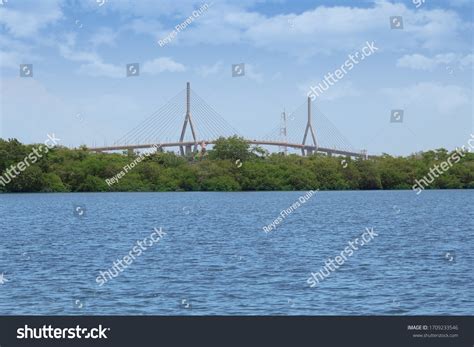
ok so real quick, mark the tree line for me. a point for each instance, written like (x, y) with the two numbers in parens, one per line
(231, 165)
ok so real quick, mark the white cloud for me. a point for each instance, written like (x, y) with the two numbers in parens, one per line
(28, 17)
(459, 3)
(339, 90)
(104, 37)
(467, 61)
(28, 102)
(252, 73)
(433, 98)
(421, 62)
(207, 70)
(151, 27)
(162, 64)
(219, 67)
(417, 62)
(98, 68)
(277, 76)
(166, 8)
(93, 65)
(324, 30)
(320, 30)
(10, 59)
(30, 111)
(14, 52)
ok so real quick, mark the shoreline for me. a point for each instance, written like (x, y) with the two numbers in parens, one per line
(240, 191)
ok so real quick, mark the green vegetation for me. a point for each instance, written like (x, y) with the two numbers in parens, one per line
(230, 166)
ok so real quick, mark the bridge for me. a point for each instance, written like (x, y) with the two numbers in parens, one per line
(167, 128)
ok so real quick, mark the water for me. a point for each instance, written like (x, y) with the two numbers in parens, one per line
(216, 259)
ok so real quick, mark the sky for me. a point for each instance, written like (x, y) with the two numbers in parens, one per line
(79, 51)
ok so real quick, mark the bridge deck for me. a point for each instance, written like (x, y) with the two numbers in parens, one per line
(254, 142)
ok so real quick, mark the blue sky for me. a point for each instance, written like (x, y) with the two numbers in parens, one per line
(79, 50)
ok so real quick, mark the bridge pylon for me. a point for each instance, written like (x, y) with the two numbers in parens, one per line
(284, 132)
(309, 128)
(188, 120)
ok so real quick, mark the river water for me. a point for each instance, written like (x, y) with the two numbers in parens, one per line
(213, 256)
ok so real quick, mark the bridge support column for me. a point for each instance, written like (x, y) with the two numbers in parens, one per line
(187, 120)
(130, 152)
(309, 128)
(188, 149)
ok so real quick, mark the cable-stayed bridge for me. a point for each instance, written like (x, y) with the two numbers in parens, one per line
(187, 122)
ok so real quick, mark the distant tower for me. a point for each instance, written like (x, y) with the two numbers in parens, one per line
(309, 127)
(187, 119)
(283, 133)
